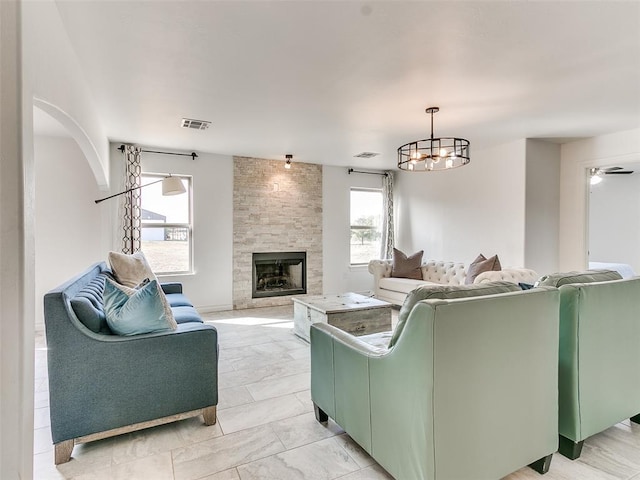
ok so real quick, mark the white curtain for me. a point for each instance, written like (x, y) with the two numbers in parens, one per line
(387, 243)
(131, 201)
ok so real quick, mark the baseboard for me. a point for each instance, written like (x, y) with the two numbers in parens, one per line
(213, 308)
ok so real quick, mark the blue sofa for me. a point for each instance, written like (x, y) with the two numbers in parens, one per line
(102, 384)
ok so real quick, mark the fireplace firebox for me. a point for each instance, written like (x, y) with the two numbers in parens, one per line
(279, 273)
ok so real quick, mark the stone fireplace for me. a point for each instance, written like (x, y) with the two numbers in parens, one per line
(279, 273)
(275, 211)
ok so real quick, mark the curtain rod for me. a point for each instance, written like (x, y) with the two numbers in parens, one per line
(193, 155)
(351, 170)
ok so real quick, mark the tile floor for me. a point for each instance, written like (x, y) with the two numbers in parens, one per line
(266, 428)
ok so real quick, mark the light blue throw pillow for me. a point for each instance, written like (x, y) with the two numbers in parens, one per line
(133, 312)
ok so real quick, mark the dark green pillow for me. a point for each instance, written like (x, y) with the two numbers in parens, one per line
(587, 276)
(427, 292)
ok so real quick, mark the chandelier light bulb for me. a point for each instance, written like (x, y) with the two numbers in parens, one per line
(443, 152)
(449, 163)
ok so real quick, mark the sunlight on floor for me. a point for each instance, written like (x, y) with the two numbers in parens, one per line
(267, 322)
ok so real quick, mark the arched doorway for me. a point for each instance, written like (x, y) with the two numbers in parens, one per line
(69, 232)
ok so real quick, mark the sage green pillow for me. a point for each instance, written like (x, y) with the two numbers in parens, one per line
(442, 292)
(587, 276)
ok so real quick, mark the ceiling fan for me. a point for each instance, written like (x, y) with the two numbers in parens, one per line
(596, 174)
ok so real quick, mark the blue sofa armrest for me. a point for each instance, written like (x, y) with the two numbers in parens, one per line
(171, 287)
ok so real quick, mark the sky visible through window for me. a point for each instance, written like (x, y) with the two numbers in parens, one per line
(365, 203)
(366, 225)
(166, 247)
(174, 207)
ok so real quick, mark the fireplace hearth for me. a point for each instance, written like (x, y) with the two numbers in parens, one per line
(279, 273)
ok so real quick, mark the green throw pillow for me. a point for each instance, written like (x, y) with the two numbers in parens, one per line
(134, 312)
(427, 292)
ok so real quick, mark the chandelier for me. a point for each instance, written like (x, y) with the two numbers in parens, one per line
(433, 153)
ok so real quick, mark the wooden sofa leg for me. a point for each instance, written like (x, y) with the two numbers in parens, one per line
(635, 418)
(569, 448)
(209, 415)
(542, 465)
(62, 451)
(320, 415)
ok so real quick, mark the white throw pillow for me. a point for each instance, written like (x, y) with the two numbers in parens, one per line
(130, 270)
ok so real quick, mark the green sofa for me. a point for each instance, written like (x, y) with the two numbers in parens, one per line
(599, 356)
(468, 390)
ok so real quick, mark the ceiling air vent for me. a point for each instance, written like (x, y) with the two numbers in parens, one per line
(195, 124)
(366, 155)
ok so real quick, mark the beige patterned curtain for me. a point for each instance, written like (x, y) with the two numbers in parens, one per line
(131, 201)
(387, 243)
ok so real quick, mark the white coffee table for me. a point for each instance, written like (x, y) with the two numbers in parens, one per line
(351, 312)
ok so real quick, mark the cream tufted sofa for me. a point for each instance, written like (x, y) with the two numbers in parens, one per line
(394, 290)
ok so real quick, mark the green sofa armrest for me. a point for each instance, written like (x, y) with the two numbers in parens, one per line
(341, 362)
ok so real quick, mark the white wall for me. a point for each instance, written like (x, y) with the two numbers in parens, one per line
(576, 157)
(69, 227)
(338, 275)
(16, 266)
(210, 287)
(455, 215)
(542, 220)
(38, 65)
(53, 79)
(614, 220)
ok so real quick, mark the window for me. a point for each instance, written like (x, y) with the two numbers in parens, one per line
(166, 227)
(366, 225)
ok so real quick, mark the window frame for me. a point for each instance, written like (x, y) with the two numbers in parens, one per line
(362, 189)
(152, 177)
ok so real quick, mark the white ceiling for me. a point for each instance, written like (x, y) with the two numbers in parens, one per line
(326, 80)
